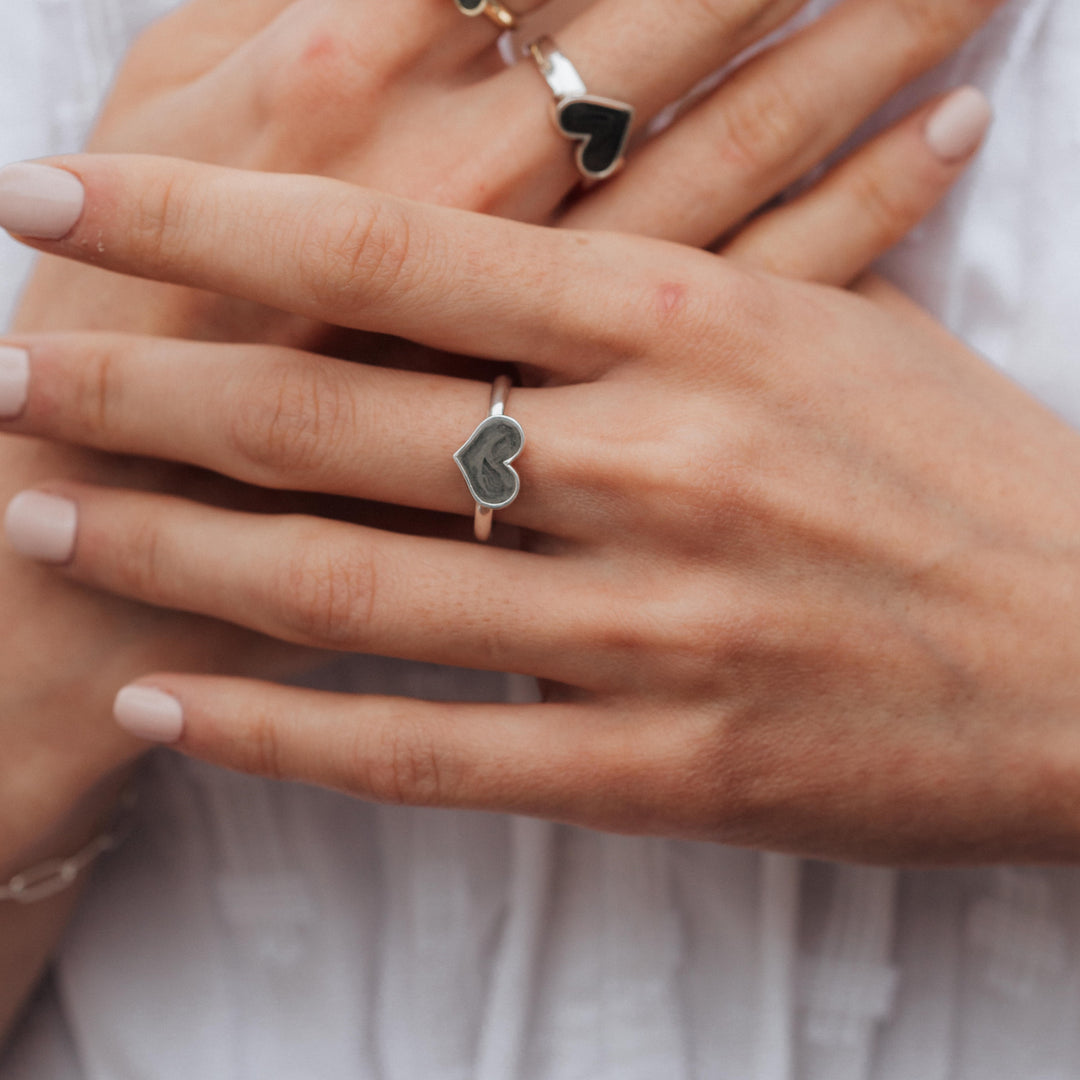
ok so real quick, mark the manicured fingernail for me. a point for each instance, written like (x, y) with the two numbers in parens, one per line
(957, 126)
(14, 380)
(39, 201)
(149, 714)
(42, 526)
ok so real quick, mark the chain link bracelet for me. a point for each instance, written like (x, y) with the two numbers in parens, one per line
(53, 876)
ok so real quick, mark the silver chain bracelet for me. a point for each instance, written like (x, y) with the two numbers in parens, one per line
(53, 876)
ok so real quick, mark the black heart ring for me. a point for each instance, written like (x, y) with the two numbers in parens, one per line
(485, 459)
(600, 126)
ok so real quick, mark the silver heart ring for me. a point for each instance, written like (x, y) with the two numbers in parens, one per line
(485, 459)
(600, 126)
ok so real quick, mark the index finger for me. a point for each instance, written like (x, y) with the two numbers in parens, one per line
(458, 281)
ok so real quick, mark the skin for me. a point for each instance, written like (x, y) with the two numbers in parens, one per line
(799, 571)
(65, 649)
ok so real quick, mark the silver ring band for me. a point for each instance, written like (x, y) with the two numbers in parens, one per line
(485, 459)
(502, 17)
(600, 126)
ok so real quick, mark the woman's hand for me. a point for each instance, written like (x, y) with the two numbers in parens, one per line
(412, 98)
(429, 110)
(802, 571)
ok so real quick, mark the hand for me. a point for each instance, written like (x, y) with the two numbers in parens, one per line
(285, 92)
(412, 98)
(802, 571)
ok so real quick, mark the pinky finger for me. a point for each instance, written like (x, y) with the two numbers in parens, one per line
(835, 230)
(541, 760)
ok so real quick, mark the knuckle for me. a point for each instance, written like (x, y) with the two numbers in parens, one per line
(287, 421)
(330, 590)
(887, 209)
(321, 65)
(355, 254)
(744, 20)
(160, 216)
(716, 489)
(262, 745)
(721, 12)
(137, 567)
(695, 485)
(406, 767)
(765, 124)
(932, 26)
(315, 72)
(95, 388)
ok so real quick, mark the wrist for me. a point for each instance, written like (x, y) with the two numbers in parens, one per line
(56, 820)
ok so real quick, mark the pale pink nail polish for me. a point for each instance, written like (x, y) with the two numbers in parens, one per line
(958, 125)
(42, 526)
(14, 381)
(149, 714)
(39, 201)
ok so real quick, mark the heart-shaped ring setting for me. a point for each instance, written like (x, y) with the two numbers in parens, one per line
(602, 126)
(485, 459)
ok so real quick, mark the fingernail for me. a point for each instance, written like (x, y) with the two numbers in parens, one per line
(14, 381)
(957, 126)
(149, 714)
(42, 526)
(39, 201)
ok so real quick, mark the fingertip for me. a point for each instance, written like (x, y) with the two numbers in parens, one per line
(149, 713)
(40, 202)
(42, 526)
(957, 125)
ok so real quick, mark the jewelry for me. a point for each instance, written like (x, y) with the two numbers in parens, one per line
(500, 16)
(49, 878)
(600, 125)
(485, 459)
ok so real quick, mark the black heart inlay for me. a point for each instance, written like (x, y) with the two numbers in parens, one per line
(485, 459)
(470, 7)
(603, 127)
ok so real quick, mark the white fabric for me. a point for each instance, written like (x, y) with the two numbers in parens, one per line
(272, 932)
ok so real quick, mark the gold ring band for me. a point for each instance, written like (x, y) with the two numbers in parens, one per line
(502, 17)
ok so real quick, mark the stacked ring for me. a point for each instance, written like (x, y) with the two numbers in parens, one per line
(500, 16)
(485, 459)
(600, 125)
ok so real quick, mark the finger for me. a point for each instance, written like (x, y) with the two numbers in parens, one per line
(464, 283)
(634, 51)
(776, 118)
(283, 419)
(315, 582)
(561, 762)
(834, 231)
(651, 54)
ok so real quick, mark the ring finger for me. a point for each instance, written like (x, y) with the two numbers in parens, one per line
(282, 419)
